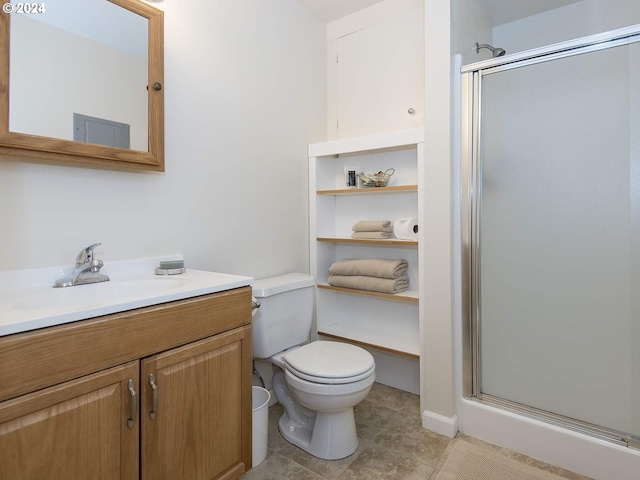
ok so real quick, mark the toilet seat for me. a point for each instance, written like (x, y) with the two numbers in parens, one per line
(330, 363)
(328, 389)
(329, 381)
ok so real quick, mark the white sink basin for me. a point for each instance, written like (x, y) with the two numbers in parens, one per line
(94, 294)
(29, 301)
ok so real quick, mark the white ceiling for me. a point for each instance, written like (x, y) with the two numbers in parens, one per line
(498, 11)
(330, 10)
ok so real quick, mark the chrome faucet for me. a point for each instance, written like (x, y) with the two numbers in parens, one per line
(86, 270)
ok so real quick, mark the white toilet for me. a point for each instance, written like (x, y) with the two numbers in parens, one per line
(317, 383)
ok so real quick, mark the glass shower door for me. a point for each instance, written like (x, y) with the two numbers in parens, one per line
(558, 236)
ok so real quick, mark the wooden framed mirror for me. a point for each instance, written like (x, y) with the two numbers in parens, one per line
(102, 65)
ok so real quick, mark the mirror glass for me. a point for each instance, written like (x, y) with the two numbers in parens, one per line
(88, 63)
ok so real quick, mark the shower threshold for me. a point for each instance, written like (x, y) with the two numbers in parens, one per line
(585, 428)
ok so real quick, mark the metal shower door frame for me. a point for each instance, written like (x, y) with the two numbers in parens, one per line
(471, 221)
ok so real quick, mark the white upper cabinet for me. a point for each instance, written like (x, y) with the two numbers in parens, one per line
(376, 70)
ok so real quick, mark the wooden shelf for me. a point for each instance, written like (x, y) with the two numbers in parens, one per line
(364, 191)
(408, 347)
(406, 296)
(374, 241)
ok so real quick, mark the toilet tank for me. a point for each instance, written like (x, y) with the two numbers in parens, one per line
(285, 314)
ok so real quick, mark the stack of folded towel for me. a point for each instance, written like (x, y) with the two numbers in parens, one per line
(372, 274)
(372, 229)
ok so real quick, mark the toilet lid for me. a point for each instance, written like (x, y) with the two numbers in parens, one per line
(330, 362)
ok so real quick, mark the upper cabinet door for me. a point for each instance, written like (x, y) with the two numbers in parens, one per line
(377, 80)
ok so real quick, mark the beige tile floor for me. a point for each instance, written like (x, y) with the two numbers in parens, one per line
(393, 446)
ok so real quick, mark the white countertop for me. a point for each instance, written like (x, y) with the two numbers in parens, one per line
(28, 300)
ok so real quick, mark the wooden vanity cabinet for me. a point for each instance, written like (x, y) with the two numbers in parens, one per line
(198, 425)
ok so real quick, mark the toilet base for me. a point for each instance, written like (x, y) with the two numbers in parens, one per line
(331, 437)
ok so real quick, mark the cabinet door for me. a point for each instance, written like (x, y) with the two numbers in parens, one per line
(77, 429)
(380, 77)
(200, 426)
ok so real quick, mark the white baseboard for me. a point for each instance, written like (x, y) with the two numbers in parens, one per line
(440, 424)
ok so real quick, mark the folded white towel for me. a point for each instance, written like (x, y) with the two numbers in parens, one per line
(373, 226)
(371, 267)
(372, 284)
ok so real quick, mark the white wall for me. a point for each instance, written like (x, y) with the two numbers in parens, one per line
(244, 95)
(566, 23)
(469, 24)
(463, 22)
(436, 356)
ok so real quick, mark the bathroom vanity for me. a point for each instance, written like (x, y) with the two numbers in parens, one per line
(157, 392)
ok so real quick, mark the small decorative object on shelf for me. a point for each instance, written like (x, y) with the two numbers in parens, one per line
(351, 176)
(380, 179)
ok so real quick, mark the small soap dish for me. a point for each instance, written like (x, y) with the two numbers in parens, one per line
(172, 267)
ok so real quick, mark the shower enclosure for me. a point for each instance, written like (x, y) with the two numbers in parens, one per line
(551, 234)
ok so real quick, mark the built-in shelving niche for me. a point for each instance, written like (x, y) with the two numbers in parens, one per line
(386, 325)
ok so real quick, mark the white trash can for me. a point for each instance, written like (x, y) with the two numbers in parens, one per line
(260, 418)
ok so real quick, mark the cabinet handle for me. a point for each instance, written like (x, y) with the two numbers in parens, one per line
(134, 404)
(411, 111)
(154, 389)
